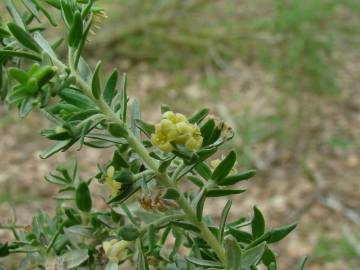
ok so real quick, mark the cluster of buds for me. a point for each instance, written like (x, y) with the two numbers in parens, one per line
(176, 129)
(113, 185)
(115, 250)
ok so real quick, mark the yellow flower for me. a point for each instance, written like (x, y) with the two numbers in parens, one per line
(175, 129)
(175, 118)
(113, 185)
(115, 251)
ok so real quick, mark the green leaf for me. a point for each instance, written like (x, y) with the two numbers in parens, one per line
(203, 169)
(147, 128)
(15, 14)
(135, 116)
(55, 148)
(95, 84)
(223, 192)
(196, 181)
(75, 258)
(77, 99)
(224, 215)
(171, 194)
(83, 197)
(198, 203)
(199, 116)
(129, 233)
(233, 179)
(20, 54)
(280, 233)
(45, 46)
(186, 225)
(204, 263)
(19, 75)
(224, 168)
(207, 131)
(233, 253)
(301, 265)
(123, 98)
(165, 108)
(269, 259)
(118, 130)
(76, 30)
(124, 176)
(67, 12)
(252, 256)
(40, 7)
(257, 223)
(23, 37)
(241, 236)
(110, 87)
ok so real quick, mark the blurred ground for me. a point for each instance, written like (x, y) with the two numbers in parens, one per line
(305, 144)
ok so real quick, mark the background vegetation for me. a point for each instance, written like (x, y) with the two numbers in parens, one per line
(283, 73)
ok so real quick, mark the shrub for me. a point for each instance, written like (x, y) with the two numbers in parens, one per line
(164, 229)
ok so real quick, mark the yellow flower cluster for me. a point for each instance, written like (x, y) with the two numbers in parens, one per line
(113, 185)
(175, 128)
(115, 251)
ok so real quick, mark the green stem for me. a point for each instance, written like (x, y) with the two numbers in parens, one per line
(152, 164)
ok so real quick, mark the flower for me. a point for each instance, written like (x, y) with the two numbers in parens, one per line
(110, 182)
(174, 128)
(115, 251)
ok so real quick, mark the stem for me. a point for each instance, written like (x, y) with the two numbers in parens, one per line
(152, 164)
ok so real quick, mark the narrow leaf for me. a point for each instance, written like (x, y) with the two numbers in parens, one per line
(95, 84)
(224, 168)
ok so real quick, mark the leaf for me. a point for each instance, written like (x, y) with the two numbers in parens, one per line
(223, 192)
(20, 54)
(67, 12)
(199, 116)
(186, 225)
(204, 263)
(76, 30)
(280, 233)
(198, 203)
(224, 215)
(269, 259)
(233, 179)
(77, 99)
(257, 223)
(171, 194)
(23, 37)
(233, 253)
(110, 87)
(252, 256)
(95, 84)
(83, 197)
(118, 130)
(203, 169)
(19, 75)
(14, 13)
(147, 128)
(55, 148)
(135, 115)
(301, 265)
(196, 181)
(241, 236)
(75, 258)
(41, 41)
(224, 168)
(207, 131)
(123, 98)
